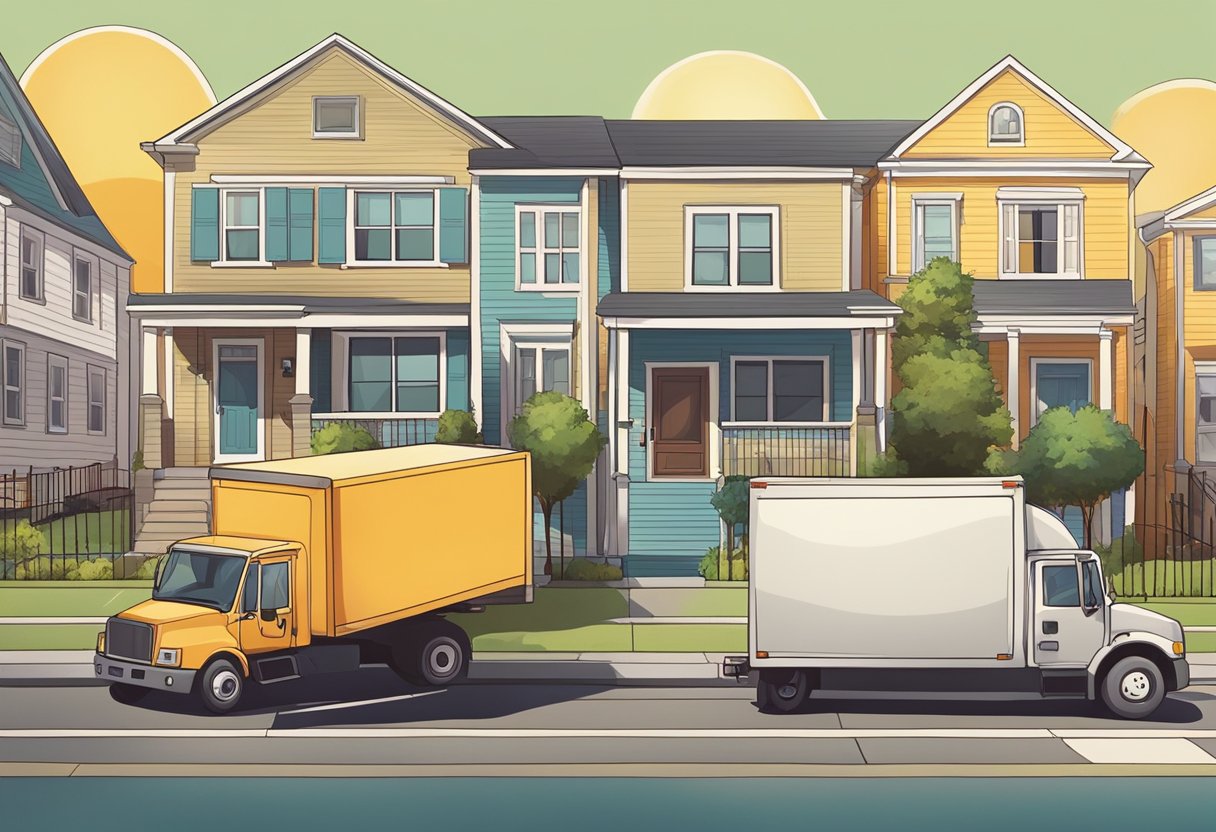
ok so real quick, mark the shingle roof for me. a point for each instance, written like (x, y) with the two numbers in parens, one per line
(547, 141)
(1053, 297)
(858, 303)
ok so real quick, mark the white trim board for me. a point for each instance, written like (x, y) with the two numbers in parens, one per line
(616, 322)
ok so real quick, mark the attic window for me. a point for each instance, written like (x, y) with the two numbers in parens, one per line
(335, 117)
(1005, 124)
(10, 143)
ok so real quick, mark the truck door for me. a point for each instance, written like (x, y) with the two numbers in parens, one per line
(267, 611)
(1069, 624)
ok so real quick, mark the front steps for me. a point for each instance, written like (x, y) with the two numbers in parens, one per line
(180, 508)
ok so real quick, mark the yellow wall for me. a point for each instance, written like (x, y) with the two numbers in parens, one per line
(401, 137)
(811, 229)
(1049, 131)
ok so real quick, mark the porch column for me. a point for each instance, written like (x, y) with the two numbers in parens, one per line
(863, 411)
(1106, 392)
(880, 385)
(301, 402)
(621, 425)
(151, 403)
(1013, 382)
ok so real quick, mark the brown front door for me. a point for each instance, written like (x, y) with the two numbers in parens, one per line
(679, 421)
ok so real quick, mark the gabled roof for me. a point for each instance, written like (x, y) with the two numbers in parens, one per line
(235, 103)
(547, 142)
(1123, 151)
(1153, 225)
(56, 195)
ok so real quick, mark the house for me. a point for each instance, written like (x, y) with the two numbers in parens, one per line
(1036, 199)
(63, 326)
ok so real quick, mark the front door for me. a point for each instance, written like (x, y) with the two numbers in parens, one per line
(1069, 622)
(238, 401)
(679, 422)
(268, 618)
(1063, 384)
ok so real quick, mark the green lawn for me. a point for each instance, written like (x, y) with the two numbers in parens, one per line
(98, 532)
(1167, 579)
(49, 637)
(70, 598)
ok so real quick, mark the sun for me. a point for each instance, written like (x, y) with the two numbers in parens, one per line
(727, 85)
(1171, 124)
(102, 91)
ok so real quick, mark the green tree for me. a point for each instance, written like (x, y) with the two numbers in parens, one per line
(948, 414)
(341, 437)
(1075, 459)
(731, 503)
(457, 427)
(564, 443)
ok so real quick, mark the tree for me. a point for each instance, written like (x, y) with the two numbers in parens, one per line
(457, 427)
(731, 503)
(948, 413)
(1075, 459)
(564, 444)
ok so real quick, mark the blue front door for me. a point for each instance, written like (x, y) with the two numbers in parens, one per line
(1064, 384)
(237, 400)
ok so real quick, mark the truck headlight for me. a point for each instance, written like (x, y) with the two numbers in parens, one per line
(101, 642)
(169, 656)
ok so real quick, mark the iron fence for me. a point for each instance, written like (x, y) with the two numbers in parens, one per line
(390, 433)
(1171, 555)
(786, 452)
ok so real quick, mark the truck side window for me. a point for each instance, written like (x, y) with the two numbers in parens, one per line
(274, 586)
(1060, 586)
(1093, 584)
(249, 596)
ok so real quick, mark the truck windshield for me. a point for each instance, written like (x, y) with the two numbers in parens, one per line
(1093, 583)
(203, 578)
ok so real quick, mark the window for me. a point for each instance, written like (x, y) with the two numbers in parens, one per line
(548, 248)
(82, 288)
(335, 117)
(1205, 263)
(1041, 238)
(275, 586)
(97, 400)
(1005, 124)
(242, 223)
(10, 143)
(779, 389)
(936, 230)
(31, 264)
(1060, 383)
(541, 368)
(249, 595)
(1060, 587)
(14, 383)
(390, 374)
(394, 226)
(1205, 422)
(56, 394)
(1092, 580)
(731, 247)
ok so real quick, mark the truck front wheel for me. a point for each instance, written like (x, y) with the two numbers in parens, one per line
(1133, 688)
(220, 685)
(433, 653)
(782, 691)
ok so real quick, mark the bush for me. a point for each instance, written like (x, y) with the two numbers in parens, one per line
(710, 567)
(457, 427)
(137, 461)
(46, 568)
(581, 569)
(20, 541)
(147, 569)
(341, 437)
(1120, 553)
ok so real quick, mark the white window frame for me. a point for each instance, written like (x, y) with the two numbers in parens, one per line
(357, 133)
(540, 249)
(995, 140)
(95, 372)
(79, 257)
(340, 366)
(769, 359)
(10, 154)
(22, 385)
(1036, 362)
(1003, 203)
(919, 201)
(352, 196)
(57, 362)
(224, 228)
(38, 265)
(733, 212)
(516, 399)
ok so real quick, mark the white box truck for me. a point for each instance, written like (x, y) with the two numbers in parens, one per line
(938, 585)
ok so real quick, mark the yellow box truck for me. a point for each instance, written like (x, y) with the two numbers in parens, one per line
(317, 563)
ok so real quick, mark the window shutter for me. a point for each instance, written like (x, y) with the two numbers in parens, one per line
(276, 224)
(453, 225)
(205, 224)
(331, 225)
(299, 217)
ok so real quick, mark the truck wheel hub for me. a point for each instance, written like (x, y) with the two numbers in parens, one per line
(443, 659)
(225, 685)
(787, 691)
(1136, 686)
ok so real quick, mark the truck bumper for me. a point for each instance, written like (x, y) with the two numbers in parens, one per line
(1182, 674)
(736, 667)
(171, 679)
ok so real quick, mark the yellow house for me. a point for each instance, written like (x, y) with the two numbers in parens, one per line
(1034, 198)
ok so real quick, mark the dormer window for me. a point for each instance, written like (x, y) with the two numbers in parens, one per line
(1005, 124)
(10, 143)
(335, 117)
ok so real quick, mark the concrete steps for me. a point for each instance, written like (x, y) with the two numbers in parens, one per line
(180, 508)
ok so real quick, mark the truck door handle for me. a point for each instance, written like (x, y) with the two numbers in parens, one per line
(1049, 646)
(1050, 628)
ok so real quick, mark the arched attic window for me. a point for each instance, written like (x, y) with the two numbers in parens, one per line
(1005, 124)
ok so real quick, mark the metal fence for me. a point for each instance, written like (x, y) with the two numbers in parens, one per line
(1171, 555)
(786, 452)
(54, 522)
(389, 433)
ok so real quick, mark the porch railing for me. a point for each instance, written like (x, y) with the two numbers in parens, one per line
(804, 451)
(390, 433)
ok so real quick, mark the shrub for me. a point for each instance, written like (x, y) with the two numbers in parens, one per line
(137, 461)
(20, 541)
(710, 567)
(581, 569)
(341, 437)
(457, 427)
(147, 569)
(1121, 553)
(46, 568)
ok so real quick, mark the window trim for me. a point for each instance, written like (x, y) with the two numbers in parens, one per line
(1036, 362)
(53, 361)
(340, 374)
(1059, 204)
(22, 387)
(1202, 368)
(540, 249)
(78, 257)
(91, 372)
(13, 156)
(1197, 243)
(919, 201)
(321, 134)
(224, 261)
(352, 198)
(513, 400)
(769, 359)
(733, 212)
(39, 264)
(1002, 141)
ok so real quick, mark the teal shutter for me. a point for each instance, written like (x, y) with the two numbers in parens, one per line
(276, 224)
(331, 225)
(299, 214)
(205, 224)
(453, 225)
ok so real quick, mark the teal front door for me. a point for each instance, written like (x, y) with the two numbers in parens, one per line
(237, 401)
(1063, 384)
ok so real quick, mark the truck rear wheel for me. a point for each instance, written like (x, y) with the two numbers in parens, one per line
(220, 685)
(782, 691)
(1134, 688)
(433, 653)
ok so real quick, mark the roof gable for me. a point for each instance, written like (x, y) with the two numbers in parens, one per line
(1197, 207)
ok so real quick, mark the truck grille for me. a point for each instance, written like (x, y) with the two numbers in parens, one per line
(129, 640)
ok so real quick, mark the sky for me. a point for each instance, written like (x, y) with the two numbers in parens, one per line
(860, 59)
